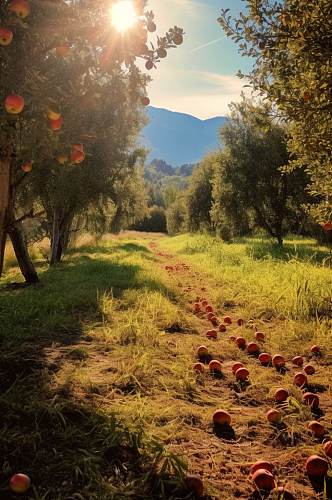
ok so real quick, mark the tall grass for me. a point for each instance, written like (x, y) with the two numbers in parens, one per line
(295, 281)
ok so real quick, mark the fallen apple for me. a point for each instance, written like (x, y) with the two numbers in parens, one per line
(261, 464)
(265, 358)
(242, 374)
(215, 366)
(221, 417)
(199, 367)
(212, 334)
(194, 484)
(19, 483)
(259, 336)
(311, 399)
(281, 395)
(316, 466)
(252, 348)
(241, 342)
(202, 351)
(236, 366)
(274, 416)
(309, 369)
(316, 428)
(228, 320)
(264, 480)
(298, 361)
(278, 361)
(222, 328)
(300, 379)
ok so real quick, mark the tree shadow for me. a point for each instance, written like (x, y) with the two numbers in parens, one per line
(111, 249)
(67, 445)
(303, 251)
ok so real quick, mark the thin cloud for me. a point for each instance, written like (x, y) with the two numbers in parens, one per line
(208, 44)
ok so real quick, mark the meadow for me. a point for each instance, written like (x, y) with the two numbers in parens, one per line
(98, 394)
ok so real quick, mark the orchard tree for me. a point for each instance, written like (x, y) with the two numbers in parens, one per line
(58, 61)
(291, 43)
(253, 169)
(199, 195)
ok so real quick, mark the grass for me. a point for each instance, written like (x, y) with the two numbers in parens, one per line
(98, 396)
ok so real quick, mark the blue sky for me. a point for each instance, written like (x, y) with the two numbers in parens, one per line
(196, 79)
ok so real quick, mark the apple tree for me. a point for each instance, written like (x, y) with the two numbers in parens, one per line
(71, 94)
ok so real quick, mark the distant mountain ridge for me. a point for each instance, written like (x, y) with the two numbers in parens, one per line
(179, 138)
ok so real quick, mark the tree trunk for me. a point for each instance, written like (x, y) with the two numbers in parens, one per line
(21, 252)
(280, 240)
(55, 240)
(4, 202)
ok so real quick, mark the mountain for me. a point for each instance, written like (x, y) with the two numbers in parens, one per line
(179, 138)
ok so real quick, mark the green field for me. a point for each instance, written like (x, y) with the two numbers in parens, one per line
(97, 388)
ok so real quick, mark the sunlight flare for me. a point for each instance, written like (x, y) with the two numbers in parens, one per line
(123, 15)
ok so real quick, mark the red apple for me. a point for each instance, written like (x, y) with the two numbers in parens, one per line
(208, 309)
(14, 104)
(77, 157)
(236, 366)
(27, 167)
(315, 349)
(298, 361)
(20, 7)
(264, 480)
(6, 37)
(55, 125)
(221, 417)
(19, 483)
(265, 358)
(316, 466)
(209, 315)
(222, 328)
(212, 334)
(233, 338)
(241, 342)
(309, 369)
(242, 374)
(300, 379)
(252, 348)
(202, 351)
(194, 484)
(311, 399)
(259, 336)
(274, 416)
(281, 395)
(145, 101)
(204, 303)
(240, 322)
(316, 428)
(278, 361)
(197, 307)
(328, 449)
(228, 320)
(149, 65)
(199, 367)
(261, 464)
(215, 366)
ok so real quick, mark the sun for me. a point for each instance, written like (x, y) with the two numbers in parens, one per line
(123, 15)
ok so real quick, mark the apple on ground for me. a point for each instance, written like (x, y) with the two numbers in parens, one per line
(19, 483)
